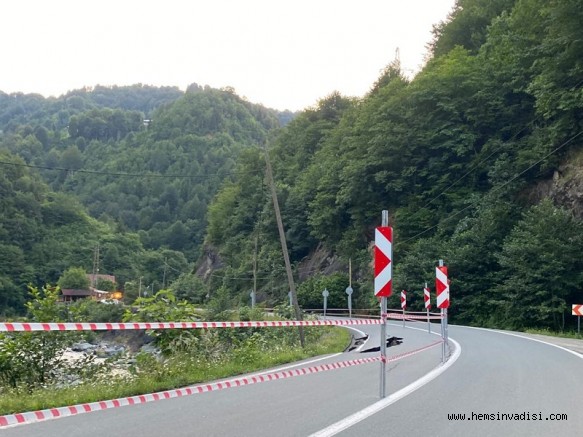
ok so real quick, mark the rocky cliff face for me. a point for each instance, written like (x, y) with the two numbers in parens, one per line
(320, 261)
(565, 188)
(208, 263)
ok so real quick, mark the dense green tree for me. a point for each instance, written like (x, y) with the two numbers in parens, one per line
(74, 277)
(541, 268)
(190, 288)
(310, 292)
(456, 154)
(467, 24)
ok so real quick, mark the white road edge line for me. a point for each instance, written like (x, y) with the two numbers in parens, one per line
(362, 334)
(291, 366)
(349, 421)
(303, 363)
(577, 354)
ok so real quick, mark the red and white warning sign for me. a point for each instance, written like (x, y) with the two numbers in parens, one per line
(427, 297)
(403, 299)
(577, 310)
(442, 287)
(383, 264)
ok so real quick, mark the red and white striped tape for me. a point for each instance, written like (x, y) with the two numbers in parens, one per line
(13, 327)
(413, 316)
(408, 354)
(54, 413)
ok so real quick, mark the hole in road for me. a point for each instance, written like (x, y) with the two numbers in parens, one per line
(391, 341)
(356, 342)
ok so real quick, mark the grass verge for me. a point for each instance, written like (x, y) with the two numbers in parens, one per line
(178, 371)
(563, 334)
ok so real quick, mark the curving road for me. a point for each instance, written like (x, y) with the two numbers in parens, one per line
(503, 384)
(494, 374)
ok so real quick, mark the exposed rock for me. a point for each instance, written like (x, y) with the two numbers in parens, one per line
(565, 188)
(151, 349)
(320, 261)
(209, 263)
(83, 346)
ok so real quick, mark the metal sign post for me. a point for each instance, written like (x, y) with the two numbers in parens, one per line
(428, 323)
(446, 326)
(577, 310)
(442, 299)
(383, 340)
(325, 294)
(404, 304)
(383, 283)
(349, 291)
(427, 298)
(442, 337)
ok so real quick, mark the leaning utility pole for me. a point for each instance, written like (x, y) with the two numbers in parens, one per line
(95, 267)
(255, 264)
(290, 277)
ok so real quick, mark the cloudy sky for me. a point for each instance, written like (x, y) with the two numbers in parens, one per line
(285, 55)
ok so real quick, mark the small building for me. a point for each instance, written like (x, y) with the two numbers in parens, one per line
(74, 294)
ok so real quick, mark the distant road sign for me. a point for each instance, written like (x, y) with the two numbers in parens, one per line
(577, 310)
(426, 297)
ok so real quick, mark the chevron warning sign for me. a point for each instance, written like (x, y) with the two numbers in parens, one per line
(403, 299)
(427, 297)
(442, 287)
(577, 310)
(383, 264)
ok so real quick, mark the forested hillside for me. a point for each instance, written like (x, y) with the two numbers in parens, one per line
(143, 162)
(478, 159)
(458, 155)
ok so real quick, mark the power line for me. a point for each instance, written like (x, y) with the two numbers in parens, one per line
(499, 187)
(477, 164)
(250, 277)
(134, 175)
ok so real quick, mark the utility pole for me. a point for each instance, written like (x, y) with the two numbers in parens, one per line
(290, 278)
(95, 266)
(349, 289)
(164, 277)
(255, 265)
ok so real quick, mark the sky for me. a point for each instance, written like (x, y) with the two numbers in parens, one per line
(284, 55)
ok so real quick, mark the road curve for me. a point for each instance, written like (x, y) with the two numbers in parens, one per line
(504, 384)
(495, 373)
(298, 406)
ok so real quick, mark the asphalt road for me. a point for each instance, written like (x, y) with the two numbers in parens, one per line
(495, 373)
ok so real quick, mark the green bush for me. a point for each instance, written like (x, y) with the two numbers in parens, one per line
(30, 360)
(86, 310)
(76, 278)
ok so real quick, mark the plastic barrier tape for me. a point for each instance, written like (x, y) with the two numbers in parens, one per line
(53, 413)
(14, 327)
